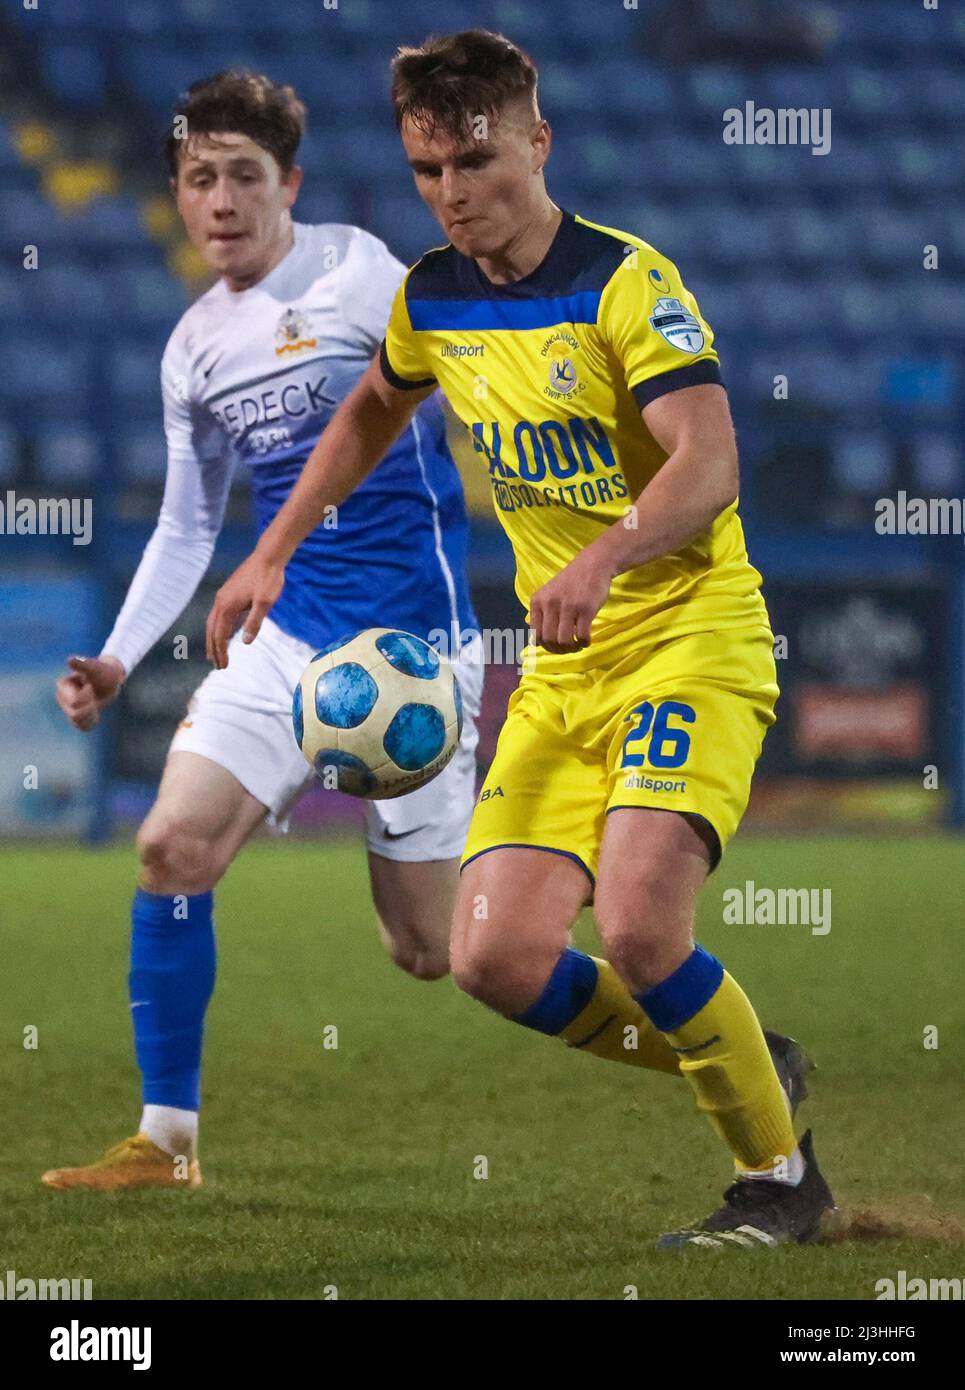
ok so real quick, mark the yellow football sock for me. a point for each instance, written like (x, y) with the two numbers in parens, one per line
(613, 1026)
(724, 1056)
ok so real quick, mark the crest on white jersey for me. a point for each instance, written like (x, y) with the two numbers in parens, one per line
(677, 325)
(292, 333)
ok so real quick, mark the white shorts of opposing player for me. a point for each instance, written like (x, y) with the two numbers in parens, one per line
(241, 718)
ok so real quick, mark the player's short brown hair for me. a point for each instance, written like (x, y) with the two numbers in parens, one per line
(267, 112)
(451, 79)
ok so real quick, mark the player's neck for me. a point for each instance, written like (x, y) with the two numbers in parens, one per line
(280, 249)
(528, 247)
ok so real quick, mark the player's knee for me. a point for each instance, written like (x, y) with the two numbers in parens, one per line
(176, 859)
(643, 931)
(496, 979)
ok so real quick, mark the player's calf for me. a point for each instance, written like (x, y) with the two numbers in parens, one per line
(413, 903)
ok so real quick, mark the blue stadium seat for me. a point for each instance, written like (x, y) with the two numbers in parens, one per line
(369, 155)
(405, 225)
(928, 381)
(74, 292)
(863, 462)
(894, 239)
(939, 464)
(134, 371)
(933, 307)
(815, 236)
(735, 236)
(878, 94)
(46, 367)
(853, 163)
(713, 89)
(775, 304)
(67, 454)
(29, 219)
(9, 158)
(940, 95)
(70, 18)
(836, 380)
(11, 455)
(142, 455)
(148, 296)
(868, 311)
(629, 87)
(16, 299)
(802, 86)
(109, 224)
(75, 72)
(764, 170)
(925, 166)
(323, 203)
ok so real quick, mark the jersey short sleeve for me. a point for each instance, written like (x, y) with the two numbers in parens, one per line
(372, 277)
(402, 363)
(654, 326)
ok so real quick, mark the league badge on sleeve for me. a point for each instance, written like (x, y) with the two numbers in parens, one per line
(677, 325)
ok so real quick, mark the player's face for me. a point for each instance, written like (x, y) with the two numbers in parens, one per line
(235, 201)
(482, 192)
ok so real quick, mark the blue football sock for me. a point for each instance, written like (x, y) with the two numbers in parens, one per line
(171, 981)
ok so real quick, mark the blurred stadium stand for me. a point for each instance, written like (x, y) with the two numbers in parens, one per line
(807, 266)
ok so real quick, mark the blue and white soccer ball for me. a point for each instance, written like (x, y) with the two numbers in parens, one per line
(378, 714)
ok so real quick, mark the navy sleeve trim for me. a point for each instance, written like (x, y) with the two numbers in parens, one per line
(706, 373)
(400, 382)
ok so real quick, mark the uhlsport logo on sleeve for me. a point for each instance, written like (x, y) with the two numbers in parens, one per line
(677, 325)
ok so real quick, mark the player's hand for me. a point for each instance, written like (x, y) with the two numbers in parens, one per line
(562, 611)
(253, 588)
(93, 684)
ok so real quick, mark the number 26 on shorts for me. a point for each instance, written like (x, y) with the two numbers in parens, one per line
(669, 746)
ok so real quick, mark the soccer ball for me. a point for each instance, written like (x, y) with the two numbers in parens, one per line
(378, 714)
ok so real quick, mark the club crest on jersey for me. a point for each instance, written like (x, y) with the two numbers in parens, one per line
(291, 333)
(677, 325)
(563, 376)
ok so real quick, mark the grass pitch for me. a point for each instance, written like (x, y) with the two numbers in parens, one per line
(354, 1167)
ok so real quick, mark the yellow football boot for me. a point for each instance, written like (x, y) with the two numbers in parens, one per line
(134, 1162)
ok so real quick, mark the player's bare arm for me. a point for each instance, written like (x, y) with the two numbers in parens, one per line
(367, 423)
(698, 481)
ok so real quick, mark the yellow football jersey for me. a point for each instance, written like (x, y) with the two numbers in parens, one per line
(549, 375)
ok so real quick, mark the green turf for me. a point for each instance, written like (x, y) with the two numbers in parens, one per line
(354, 1167)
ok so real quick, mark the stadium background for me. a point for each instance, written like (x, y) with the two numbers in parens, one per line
(808, 266)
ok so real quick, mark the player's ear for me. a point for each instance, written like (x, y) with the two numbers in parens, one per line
(542, 144)
(292, 182)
